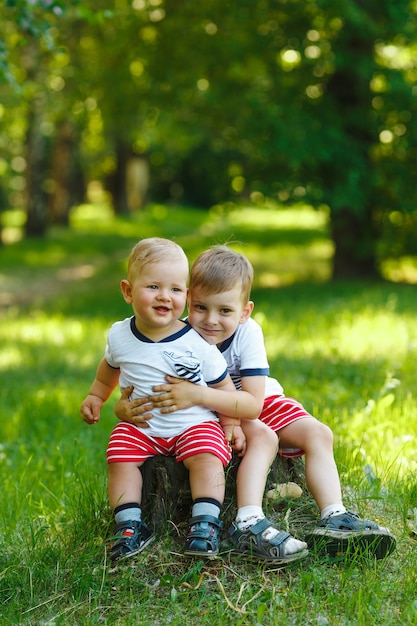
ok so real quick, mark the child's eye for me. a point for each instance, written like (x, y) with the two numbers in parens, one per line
(199, 307)
(225, 311)
(152, 286)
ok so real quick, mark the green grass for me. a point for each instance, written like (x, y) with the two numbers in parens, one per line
(346, 350)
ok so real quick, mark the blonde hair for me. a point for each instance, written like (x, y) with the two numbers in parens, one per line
(220, 269)
(154, 250)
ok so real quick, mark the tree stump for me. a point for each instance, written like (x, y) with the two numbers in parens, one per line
(166, 491)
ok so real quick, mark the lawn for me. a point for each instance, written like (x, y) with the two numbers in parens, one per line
(346, 350)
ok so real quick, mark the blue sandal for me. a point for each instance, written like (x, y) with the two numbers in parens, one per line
(203, 537)
(131, 538)
(348, 533)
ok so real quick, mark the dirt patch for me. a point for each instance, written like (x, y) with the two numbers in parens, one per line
(33, 287)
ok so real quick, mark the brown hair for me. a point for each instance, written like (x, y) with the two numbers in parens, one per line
(154, 250)
(219, 269)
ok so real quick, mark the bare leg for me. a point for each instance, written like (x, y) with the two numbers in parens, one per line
(338, 529)
(206, 476)
(124, 483)
(125, 488)
(207, 483)
(316, 439)
(261, 449)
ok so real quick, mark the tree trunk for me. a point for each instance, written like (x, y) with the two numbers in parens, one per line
(62, 175)
(117, 180)
(354, 237)
(166, 492)
(350, 178)
(137, 182)
(36, 157)
(36, 203)
(129, 183)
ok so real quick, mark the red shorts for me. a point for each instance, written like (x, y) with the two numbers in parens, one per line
(280, 411)
(130, 444)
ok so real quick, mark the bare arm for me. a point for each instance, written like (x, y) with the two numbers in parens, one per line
(231, 406)
(104, 383)
(231, 425)
(178, 394)
(181, 394)
(138, 410)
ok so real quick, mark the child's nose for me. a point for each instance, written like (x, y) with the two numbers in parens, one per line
(164, 294)
(211, 318)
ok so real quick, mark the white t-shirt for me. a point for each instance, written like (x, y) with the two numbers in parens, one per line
(245, 355)
(144, 363)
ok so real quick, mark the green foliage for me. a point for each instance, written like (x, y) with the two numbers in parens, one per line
(31, 17)
(346, 350)
(22, 20)
(287, 100)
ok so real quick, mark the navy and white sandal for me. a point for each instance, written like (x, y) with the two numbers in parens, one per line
(252, 543)
(203, 538)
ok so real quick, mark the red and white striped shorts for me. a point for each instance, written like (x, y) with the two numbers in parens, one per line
(130, 444)
(280, 411)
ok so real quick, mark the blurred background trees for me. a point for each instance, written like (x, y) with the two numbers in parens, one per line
(201, 103)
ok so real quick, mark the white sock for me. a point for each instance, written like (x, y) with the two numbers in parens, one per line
(247, 516)
(332, 509)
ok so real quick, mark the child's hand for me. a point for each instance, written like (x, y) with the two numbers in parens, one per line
(90, 409)
(236, 437)
(177, 394)
(135, 412)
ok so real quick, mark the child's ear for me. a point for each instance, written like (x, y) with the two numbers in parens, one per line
(247, 311)
(126, 288)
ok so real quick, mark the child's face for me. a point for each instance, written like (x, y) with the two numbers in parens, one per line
(216, 316)
(158, 294)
